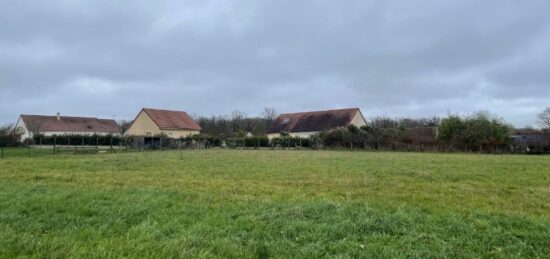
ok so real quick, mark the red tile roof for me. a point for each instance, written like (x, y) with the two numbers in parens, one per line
(172, 120)
(313, 121)
(70, 124)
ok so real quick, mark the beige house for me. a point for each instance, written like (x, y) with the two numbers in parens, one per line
(153, 122)
(305, 124)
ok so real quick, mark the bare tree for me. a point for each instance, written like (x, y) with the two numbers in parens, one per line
(10, 135)
(269, 114)
(544, 118)
(35, 126)
(124, 125)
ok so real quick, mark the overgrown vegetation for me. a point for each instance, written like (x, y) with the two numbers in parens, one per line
(10, 136)
(257, 204)
(78, 140)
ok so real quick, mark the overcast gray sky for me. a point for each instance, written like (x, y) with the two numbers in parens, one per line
(110, 58)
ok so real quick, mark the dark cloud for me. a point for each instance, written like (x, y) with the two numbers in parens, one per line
(395, 58)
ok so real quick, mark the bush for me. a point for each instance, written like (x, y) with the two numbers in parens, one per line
(292, 142)
(248, 142)
(211, 141)
(9, 136)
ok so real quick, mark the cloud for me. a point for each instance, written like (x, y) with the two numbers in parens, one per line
(394, 58)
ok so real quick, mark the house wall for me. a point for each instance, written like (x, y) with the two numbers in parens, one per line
(20, 124)
(145, 126)
(293, 134)
(358, 120)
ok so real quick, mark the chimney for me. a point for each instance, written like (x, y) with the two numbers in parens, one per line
(58, 115)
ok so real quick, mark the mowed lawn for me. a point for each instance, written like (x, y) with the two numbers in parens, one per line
(257, 204)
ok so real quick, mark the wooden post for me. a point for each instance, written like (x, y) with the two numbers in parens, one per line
(54, 143)
(2, 153)
(29, 150)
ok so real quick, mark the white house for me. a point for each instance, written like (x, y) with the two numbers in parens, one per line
(65, 125)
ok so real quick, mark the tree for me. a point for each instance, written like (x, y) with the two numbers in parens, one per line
(124, 126)
(10, 135)
(544, 118)
(269, 114)
(34, 126)
(478, 129)
(451, 130)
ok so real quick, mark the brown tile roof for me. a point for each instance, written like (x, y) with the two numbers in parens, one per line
(172, 120)
(313, 121)
(70, 124)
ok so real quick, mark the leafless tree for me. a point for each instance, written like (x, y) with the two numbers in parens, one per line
(124, 125)
(544, 118)
(35, 126)
(10, 135)
(269, 114)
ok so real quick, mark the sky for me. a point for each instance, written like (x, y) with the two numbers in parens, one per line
(108, 59)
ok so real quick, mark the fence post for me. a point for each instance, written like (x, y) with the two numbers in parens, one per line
(2, 153)
(29, 150)
(54, 142)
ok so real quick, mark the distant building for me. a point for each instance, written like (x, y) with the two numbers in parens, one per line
(32, 125)
(305, 124)
(154, 122)
(529, 140)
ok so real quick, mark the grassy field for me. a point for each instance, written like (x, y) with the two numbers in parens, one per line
(257, 204)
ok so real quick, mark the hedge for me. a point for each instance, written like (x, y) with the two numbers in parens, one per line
(248, 142)
(78, 140)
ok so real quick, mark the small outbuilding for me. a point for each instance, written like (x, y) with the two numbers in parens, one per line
(154, 122)
(305, 124)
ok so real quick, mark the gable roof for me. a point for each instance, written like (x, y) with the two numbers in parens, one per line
(313, 121)
(171, 120)
(70, 124)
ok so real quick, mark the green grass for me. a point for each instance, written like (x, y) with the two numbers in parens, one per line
(257, 204)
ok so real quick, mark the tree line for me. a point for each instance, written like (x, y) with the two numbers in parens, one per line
(480, 131)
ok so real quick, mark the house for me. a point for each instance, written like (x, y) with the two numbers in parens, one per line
(154, 122)
(529, 140)
(32, 125)
(305, 124)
